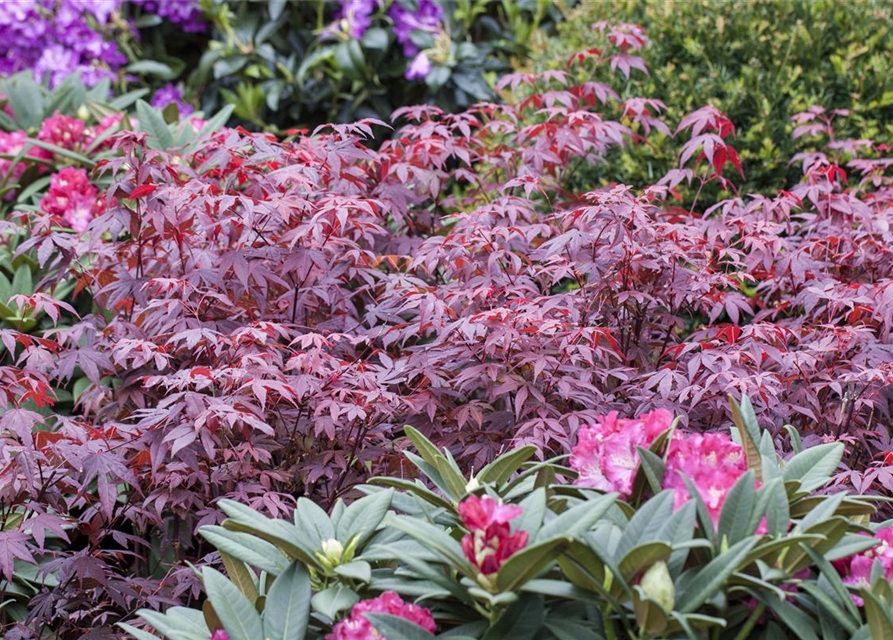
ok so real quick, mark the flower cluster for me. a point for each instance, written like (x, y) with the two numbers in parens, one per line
(712, 461)
(73, 198)
(352, 20)
(856, 570)
(185, 13)
(428, 17)
(55, 39)
(11, 144)
(168, 94)
(606, 458)
(490, 541)
(605, 455)
(357, 627)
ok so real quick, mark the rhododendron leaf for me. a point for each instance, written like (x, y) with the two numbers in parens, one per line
(650, 616)
(425, 447)
(236, 612)
(749, 432)
(735, 519)
(173, 628)
(832, 577)
(831, 532)
(436, 540)
(564, 629)
(849, 545)
(583, 566)
(397, 628)
(454, 481)
(528, 563)
(578, 519)
(521, 621)
(139, 634)
(71, 155)
(152, 122)
(240, 575)
(772, 501)
(534, 507)
(877, 612)
(287, 609)
(709, 579)
(412, 487)
(500, 470)
(702, 511)
(246, 547)
(652, 470)
(332, 601)
(430, 471)
(793, 617)
(796, 442)
(26, 100)
(647, 525)
(363, 517)
(313, 521)
(356, 570)
(642, 557)
(813, 467)
(832, 606)
(285, 536)
(821, 512)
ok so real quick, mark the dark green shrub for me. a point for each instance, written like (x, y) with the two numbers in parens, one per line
(759, 62)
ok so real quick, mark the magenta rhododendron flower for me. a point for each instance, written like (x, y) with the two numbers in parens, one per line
(712, 461)
(605, 455)
(357, 627)
(73, 198)
(856, 570)
(63, 131)
(11, 144)
(490, 541)
(220, 634)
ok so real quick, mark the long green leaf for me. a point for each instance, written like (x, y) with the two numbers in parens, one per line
(287, 609)
(237, 615)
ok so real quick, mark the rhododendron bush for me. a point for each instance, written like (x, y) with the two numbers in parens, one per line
(509, 553)
(261, 318)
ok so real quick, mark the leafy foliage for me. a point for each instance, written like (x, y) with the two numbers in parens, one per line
(594, 566)
(760, 63)
(261, 319)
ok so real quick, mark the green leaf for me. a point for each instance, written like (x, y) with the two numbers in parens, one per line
(578, 519)
(26, 100)
(735, 520)
(647, 523)
(571, 630)
(425, 447)
(411, 487)
(287, 609)
(436, 540)
(315, 522)
(520, 621)
(126, 99)
(152, 68)
(139, 634)
(713, 576)
(240, 576)
(71, 155)
(397, 628)
(152, 123)
(813, 467)
(501, 469)
(246, 547)
(529, 563)
(356, 570)
(236, 613)
(877, 613)
(216, 121)
(642, 557)
(334, 600)
(364, 516)
(749, 431)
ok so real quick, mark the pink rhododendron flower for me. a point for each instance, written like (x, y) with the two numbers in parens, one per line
(490, 541)
(63, 131)
(856, 570)
(220, 634)
(73, 198)
(357, 627)
(712, 461)
(11, 144)
(605, 455)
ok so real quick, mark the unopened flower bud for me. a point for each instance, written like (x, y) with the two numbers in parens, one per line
(658, 585)
(333, 551)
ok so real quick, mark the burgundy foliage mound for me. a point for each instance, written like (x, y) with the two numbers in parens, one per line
(269, 314)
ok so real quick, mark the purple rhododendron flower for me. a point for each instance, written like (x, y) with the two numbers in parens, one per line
(428, 17)
(168, 94)
(354, 17)
(419, 68)
(54, 39)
